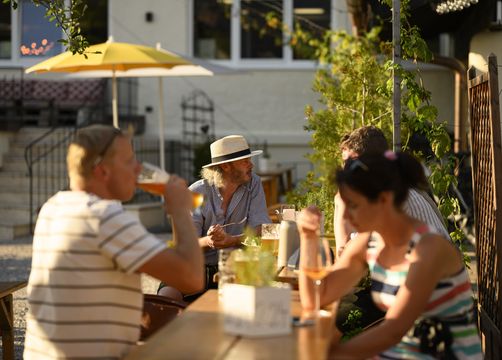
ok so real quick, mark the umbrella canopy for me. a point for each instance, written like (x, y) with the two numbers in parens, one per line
(112, 56)
(114, 59)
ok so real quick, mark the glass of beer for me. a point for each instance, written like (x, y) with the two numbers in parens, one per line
(270, 238)
(153, 179)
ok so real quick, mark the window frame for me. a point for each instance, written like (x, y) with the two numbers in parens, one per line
(286, 62)
(17, 60)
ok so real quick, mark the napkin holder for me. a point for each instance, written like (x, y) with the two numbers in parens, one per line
(257, 311)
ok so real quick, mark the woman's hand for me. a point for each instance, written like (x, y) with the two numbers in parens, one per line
(309, 222)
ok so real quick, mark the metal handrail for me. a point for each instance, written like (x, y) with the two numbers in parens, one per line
(51, 154)
(59, 144)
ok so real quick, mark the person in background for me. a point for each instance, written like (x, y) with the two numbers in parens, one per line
(84, 290)
(418, 276)
(418, 204)
(232, 193)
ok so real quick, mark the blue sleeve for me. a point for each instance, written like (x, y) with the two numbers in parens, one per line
(258, 212)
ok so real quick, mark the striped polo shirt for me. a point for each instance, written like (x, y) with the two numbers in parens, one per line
(84, 293)
(419, 205)
(451, 299)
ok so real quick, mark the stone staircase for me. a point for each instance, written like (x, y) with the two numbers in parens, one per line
(49, 176)
(14, 182)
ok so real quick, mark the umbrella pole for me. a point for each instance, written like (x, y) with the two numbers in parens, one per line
(161, 125)
(114, 100)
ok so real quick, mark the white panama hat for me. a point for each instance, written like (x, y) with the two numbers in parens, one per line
(230, 148)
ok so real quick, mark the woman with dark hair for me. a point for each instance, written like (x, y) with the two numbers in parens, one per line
(418, 277)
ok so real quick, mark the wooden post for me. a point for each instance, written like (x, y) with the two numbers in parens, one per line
(396, 55)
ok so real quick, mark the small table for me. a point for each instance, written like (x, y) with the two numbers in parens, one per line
(7, 316)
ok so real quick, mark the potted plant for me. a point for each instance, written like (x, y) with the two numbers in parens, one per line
(255, 305)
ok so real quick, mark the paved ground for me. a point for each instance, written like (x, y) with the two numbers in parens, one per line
(15, 262)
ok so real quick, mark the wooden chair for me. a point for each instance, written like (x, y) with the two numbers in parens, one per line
(158, 311)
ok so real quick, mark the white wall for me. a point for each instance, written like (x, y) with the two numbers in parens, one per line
(440, 81)
(482, 45)
(261, 105)
(169, 26)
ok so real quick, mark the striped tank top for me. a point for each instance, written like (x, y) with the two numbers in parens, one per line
(450, 304)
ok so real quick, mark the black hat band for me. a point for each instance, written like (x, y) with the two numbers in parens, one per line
(231, 156)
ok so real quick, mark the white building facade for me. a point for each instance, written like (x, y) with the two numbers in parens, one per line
(264, 94)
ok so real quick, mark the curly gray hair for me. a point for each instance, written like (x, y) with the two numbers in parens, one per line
(213, 175)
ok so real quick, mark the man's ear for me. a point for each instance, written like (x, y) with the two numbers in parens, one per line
(100, 172)
(224, 166)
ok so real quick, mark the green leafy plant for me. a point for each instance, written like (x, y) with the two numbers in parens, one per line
(250, 238)
(353, 323)
(355, 85)
(253, 267)
(201, 156)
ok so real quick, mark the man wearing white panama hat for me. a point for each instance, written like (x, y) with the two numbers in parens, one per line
(232, 192)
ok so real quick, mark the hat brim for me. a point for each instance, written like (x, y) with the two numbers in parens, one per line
(253, 153)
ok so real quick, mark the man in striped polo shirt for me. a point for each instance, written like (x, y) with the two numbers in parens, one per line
(84, 290)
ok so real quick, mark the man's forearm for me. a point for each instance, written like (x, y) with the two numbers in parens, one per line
(185, 235)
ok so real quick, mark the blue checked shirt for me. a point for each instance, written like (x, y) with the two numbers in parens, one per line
(248, 200)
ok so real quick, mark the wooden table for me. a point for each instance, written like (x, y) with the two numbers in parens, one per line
(288, 275)
(198, 334)
(7, 316)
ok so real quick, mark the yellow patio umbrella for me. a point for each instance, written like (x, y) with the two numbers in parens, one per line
(113, 56)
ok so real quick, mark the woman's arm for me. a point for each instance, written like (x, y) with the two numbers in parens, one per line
(344, 275)
(430, 261)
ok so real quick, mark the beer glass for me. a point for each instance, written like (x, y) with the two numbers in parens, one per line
(153, 179)
(270, 238)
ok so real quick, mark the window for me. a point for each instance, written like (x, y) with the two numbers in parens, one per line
(26, 34)
(94, 23)
(314, 16)
(39, 36)
(259, 41)
(5, 31)
(251, 31)
(212, 29)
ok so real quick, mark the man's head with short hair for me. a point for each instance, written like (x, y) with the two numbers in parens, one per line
(364, 140)
(91, 145)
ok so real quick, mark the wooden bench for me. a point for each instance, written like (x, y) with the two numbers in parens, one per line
(7, 316)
